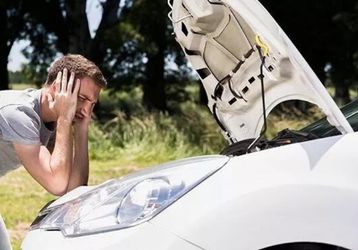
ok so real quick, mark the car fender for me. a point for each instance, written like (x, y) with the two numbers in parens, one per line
(304, 192)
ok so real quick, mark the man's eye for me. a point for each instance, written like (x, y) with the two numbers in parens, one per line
(82, 98)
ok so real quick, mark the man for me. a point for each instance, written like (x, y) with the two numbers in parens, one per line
(46, 130)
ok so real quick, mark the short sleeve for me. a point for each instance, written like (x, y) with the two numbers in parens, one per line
(20, 124)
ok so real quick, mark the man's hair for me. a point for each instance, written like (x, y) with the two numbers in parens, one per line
(81, 66)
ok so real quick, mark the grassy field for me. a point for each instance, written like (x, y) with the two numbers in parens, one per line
(21, 197)
(121, 143)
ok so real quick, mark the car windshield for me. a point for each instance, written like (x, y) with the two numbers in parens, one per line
(322, 128)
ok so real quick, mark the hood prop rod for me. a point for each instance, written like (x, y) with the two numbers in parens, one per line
(261, 77)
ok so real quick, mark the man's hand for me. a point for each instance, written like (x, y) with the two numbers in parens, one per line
(82, 124)
(65, 100)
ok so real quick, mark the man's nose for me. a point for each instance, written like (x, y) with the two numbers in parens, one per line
(87, 108)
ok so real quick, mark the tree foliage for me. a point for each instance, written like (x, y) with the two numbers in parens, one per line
(326, 35)
(133, 43)
(11, 24)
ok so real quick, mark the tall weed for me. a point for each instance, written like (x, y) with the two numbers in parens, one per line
(154, 137)
(135, 136)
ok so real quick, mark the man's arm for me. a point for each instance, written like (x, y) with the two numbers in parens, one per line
(53, 171)
(80, 165)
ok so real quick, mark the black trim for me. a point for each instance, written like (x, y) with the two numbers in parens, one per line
(184, 29)
(249, 53)
(203, 73)
(244, 90)
(238, 66)
(41, 216)
(305, 246)
(218, 92)
(192, 52)
(217, 119)
(251, 80)
(237, 95)
(232, 101)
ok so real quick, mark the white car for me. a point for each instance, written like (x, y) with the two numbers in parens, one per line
(300, 195)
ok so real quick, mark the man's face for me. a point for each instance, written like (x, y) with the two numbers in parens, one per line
(87, 97)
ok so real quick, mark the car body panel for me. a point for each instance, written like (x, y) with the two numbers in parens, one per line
(221, 39)
(144, 236)
(304, 192)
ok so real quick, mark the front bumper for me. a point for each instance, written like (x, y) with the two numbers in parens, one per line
(144, 236)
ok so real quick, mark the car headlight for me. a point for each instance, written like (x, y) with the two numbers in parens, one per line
(130, 200)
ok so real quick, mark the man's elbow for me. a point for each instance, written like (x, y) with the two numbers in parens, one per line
(57, 187)
(57, 179)
(57, 192)
(61, 187)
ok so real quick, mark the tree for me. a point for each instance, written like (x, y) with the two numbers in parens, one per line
(138, 53)
(141, 46)
(131, 47)
(64, 25)
(322, 37)
(58, 26)
(151, 21)
(11, 23)
(346, 64)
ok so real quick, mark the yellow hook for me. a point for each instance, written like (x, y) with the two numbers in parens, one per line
(262, 45)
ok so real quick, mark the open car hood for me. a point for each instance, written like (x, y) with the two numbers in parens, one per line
(226, 41)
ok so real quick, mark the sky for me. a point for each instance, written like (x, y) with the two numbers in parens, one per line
(16, 58)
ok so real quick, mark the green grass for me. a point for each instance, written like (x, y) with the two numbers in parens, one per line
(19, 86)
(126, 139)
(21, 197)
